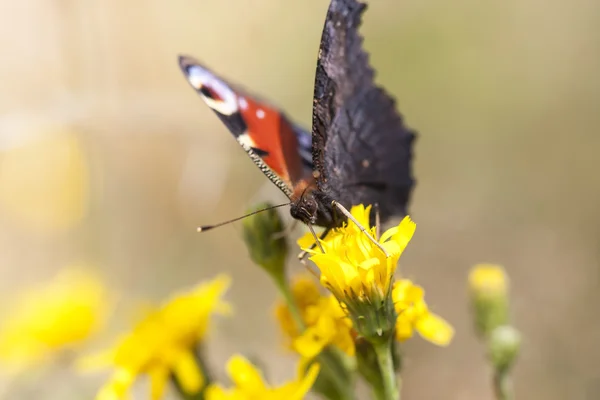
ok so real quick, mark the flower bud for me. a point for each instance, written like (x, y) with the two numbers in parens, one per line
(488, 286)
(266, 243)
(503, 347)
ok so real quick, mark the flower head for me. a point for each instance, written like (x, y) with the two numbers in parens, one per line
(52, 317)
(325, 321)
(164, 344)
(488, 279)
(250, 385)
(414, 315)
(266, 244)
(359, 273)
(488, 286)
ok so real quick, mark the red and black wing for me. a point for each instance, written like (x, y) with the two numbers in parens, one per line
(361, 148)
(279, 148)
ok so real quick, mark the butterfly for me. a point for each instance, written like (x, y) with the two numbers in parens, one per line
(359, 150)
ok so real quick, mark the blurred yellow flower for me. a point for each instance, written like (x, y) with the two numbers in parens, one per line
(358, 273)
(51, 317)
(488, 286)
(249, 384)
(44, 183)
(325, 321)
(488, 279)
(413, 314)
(164, 344)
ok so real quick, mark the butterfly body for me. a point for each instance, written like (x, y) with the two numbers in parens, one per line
(359, 151)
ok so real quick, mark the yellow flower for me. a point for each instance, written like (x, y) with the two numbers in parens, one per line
(413, 314)
(325, 321)
(249, 384)
(52, 317)
(44, 182)
(359, 274)
(164, 344)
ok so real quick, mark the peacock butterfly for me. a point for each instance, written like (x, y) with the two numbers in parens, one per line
(360, 150)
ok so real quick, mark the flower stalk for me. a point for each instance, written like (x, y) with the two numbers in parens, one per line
(489, 286)
(268, 248)
(284, 289)
(503, 385)
(385, 360)
(503, 348)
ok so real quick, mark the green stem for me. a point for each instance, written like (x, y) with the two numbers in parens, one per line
(332, 366)
(383, 351)
(285, 291)
(503, 386)
(378, 393)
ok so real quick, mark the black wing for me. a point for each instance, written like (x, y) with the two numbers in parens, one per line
(361, 148)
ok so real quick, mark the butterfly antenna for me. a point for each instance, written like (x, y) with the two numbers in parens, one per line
(209, 227)
(362, 228)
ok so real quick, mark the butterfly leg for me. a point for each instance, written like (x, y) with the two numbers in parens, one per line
(362, 228)
(303, 254)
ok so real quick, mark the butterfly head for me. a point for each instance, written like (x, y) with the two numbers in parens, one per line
(311, 206)
(305, 209)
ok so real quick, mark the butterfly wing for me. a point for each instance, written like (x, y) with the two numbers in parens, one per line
(279, 148)
(361, 148)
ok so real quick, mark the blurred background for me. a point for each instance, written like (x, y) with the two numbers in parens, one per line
(109, 161)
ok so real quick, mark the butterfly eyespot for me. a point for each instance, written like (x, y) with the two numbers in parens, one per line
(260, 113)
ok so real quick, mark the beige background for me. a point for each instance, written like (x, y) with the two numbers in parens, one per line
(505, 95)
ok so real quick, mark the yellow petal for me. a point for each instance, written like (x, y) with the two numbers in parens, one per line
(306, 241)
(401, 234)
(245, 375)
(298, 389)
(216, 392)
(316, 337)
(159, 377)
(310, 344)
(188, 373)
(309, 378)
(361, 214)
(404, 329)
(435, 329)
(118, 386)
(405, 232)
